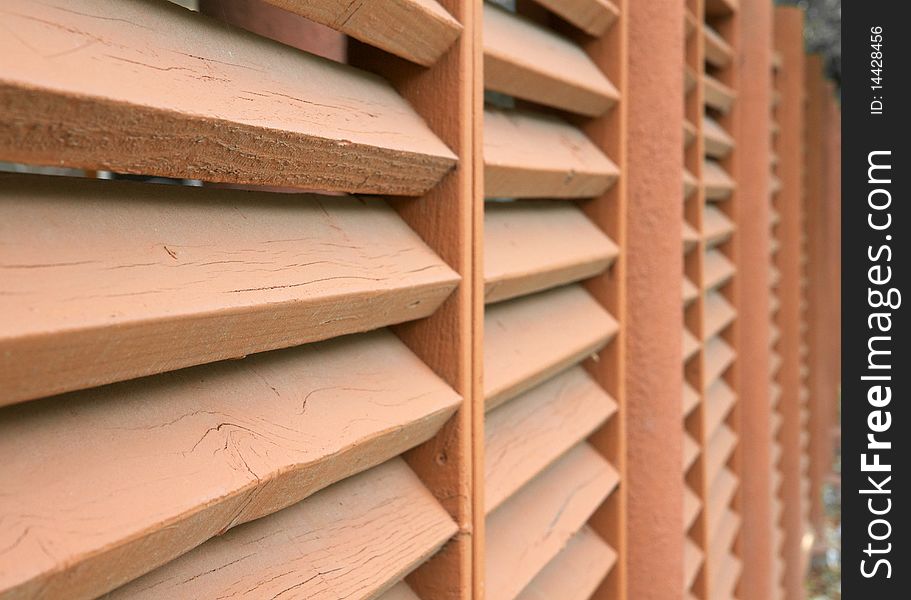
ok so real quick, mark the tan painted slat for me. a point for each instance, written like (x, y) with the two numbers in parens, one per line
(717, 270)
(690, 399)
(532, 246)
(718, 142)
(718, 450)
(591, 16)
(176, 94)
(355, 539)
(717, 95)
(690, 292)
(718, 52)
(719, 399)
(718, 357)
(717, 183)
(156, 466)
(718, 314)
(690, 344)
(533, 526)
(149, 278)
(691, 507)
(417, 30)
(692, 560)
(523, 437)
(724, 536)
(689, 184)
(721, 492)
(529, 155)
(576, 572)
(716, 226)
(725, 578)
(531, 339)
(399, 591)
(528, 61)
(690, 451)
(690, 237)
(689, 133)
(719, 8)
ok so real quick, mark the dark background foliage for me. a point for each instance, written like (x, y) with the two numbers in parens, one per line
(822, 32)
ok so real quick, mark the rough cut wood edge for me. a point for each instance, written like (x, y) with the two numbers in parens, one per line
(718, 52)
(718, 142)
(531, 339)
(381, 524)
(576, 572)
(531, 528)
(523, 437)
(718, 185)
(533, 246)
(416, 30)
(717, 95)
(165, 463)
(528, 155)
(531, 62)
(104, 281)
(177, 94)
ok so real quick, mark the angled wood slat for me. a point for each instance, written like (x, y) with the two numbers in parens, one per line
(528, 155)
(717, 316)
(718, 52)
(718, 450)
(775, 361)
(717, 95)
(689, 133)
(692, 560)
(725, 578)
(716, 226)
(718, 357)
(399, 591)
(774, 185)
(724, 537)
(689, 79)
(690, 292)
(576, 572)
(718, 270)
(531, 528)
(689, 21)
(176, 94)
(381, 524)
(775, 129)
(690, 237)
(593, 17)
(719, 399)
(690, 398)
(524, 436)
(530, 339)
(416, 30)
(149, 278)
(718, 142)
(774, 276)
(717, 183)
(720, 8)
(690, 344)
(528, 61)
(774, 217)
(690, 451)
(532, 246)
(155, 467)
(721, 492)
(689, 184)
(691, 507)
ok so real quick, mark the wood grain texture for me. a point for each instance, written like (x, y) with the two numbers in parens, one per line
(717, 270)
(531, 528)
(716, 182)
(717, 95)
(532, 246)
(104, 281)
(716, 226)
(718, 314)
(139, 86)
(718, 52)
(576, 572)
(416, 30)
(531, 339)
(531, 62)
(381, 524)
(523, 437)
(718, 142)
(528, 155)
(125, 477)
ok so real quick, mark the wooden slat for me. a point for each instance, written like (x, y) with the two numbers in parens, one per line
(176, 94)
(718, 314)
(690, 451)
(718, 357)
(533, 526)
(774, 276)
(717, 270)
(155, 467)
(717, 95)
(774, 185)
(690, 237)
(690, 344)
(527, 155)
(381, 524)
(718, 142)
(725, 578)
(716, 226)
(523, 437)
(690, 291)
(724, 537)
(531, 339)
(717, 183)
(689, 133)
(718, 52)
(692, 560)
(532, 246)
(689, 79)
(591, 16)
(775, 361)
(690, 399)
(576, 572)
(528, 61)
(720, 8)
(417, 30)
(719, 399)
(689, 184)
(691, 507)
(718, 450)
(149, 278)
(721, 493)
(399, 591)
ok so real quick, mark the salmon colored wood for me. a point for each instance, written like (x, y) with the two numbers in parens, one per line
(718, 142)
(716, 8)
(718, 450)
(523, 437)
(168, 462)
(719, 400)
(530, 339)
(718, 52)
(531, 62)
(690, 293)
(528, 155)
(724, 537)
(689, 133)
(725, 579)
(690, 183)
(718, 314)
(716, 226)
(576, 572)
(149, 278)
(176, 94)
(399, 591)
(416, 30)
(532, 246)
(718, 270)
(690, 344)
(721, 492)
(690, 453)
(691, 506)
(530, 529)
(690, 237)
(692, 560)
(381, 523)
(718, 357)
(591, 16)
(690, 79)
(690, 398)
(717, 95)
(717, 182)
